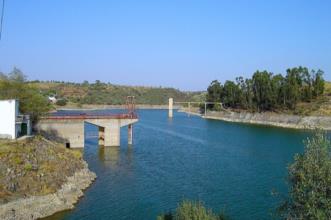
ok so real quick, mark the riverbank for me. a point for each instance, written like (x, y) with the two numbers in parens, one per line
(269, 119)
(39, 177)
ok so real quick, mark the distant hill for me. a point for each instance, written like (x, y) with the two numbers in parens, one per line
(109, 94)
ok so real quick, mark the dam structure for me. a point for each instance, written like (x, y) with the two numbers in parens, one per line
(69, 129)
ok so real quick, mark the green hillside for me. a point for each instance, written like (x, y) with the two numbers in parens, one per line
(102, 93)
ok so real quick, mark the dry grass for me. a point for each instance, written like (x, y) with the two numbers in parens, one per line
(320, 106)
(36, 166)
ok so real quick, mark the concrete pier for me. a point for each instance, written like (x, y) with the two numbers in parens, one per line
(71, 131)
(171, 103)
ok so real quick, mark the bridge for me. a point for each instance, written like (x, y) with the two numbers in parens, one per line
(70, 128)
(189, 106)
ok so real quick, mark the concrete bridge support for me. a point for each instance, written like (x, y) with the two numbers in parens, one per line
(71, 132)
(101, 136)
(171, 103)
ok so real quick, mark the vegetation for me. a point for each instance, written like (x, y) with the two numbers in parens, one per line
(106, 93)
(310, 182)
(35, 166)
(61, 102)
(267, 92)
(32, 102)
(188, 210)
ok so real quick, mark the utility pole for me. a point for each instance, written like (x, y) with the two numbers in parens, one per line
(2, 15)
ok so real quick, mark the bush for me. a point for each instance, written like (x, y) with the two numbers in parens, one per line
(61, 102)
(188, 210)
(310, 182)
(28, 167)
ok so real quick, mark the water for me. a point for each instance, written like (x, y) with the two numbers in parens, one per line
(228, 166)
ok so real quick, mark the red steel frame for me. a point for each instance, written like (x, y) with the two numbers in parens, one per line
(85, 116)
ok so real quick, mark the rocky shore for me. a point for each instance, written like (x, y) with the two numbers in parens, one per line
(269, 119)
(274, 119)
(36, 207)
(39, 177)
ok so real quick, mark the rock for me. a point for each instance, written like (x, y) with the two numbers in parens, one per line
(274, 119)
(12, 187)
(36, 207)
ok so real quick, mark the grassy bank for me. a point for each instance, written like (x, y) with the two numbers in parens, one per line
(34, 167)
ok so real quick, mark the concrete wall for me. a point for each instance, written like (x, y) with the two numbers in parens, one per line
(65, 131)
(8, 112)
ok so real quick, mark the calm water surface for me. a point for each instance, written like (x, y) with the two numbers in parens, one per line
(228, 166)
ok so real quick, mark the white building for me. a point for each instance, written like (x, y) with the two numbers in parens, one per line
(12, 123)
(52, 99)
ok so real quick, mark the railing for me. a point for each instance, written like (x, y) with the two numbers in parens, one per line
(22, 118)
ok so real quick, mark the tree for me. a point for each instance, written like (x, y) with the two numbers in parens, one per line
(231, 94)
(245, 94)
(263, 91)
(3, 76)
(31, 100)
(318, 83)
(17, 75)
(214, 92)
(278, 87)
(293, 85)
(310, 182)
(85, 83)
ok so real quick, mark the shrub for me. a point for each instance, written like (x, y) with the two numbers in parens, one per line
(28, 167)
(188, 210)
(310, 182)
(61, 102)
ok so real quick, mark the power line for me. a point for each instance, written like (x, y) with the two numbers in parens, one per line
(2, 15)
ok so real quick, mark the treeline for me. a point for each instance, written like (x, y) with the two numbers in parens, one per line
(266, 91)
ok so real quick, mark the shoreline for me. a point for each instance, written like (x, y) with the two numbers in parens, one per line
(102, 107)
(36, 207)
(269, 119)
(266, 118)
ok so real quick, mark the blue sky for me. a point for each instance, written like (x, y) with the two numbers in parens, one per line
(181, 44)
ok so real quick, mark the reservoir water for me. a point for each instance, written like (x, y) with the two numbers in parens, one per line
(228, 166)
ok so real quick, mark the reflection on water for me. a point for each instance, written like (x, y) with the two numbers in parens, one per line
(109, 156)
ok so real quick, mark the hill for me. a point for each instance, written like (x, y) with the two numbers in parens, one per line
(319, 106)
(109, 94)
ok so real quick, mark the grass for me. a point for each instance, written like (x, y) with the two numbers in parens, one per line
(77, 153)
(50, 162)
(28, 167)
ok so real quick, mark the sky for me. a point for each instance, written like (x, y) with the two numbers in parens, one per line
(183, 44)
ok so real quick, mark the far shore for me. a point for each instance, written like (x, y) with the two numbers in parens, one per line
(101, 107)
(268, 119)
(265, 118)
